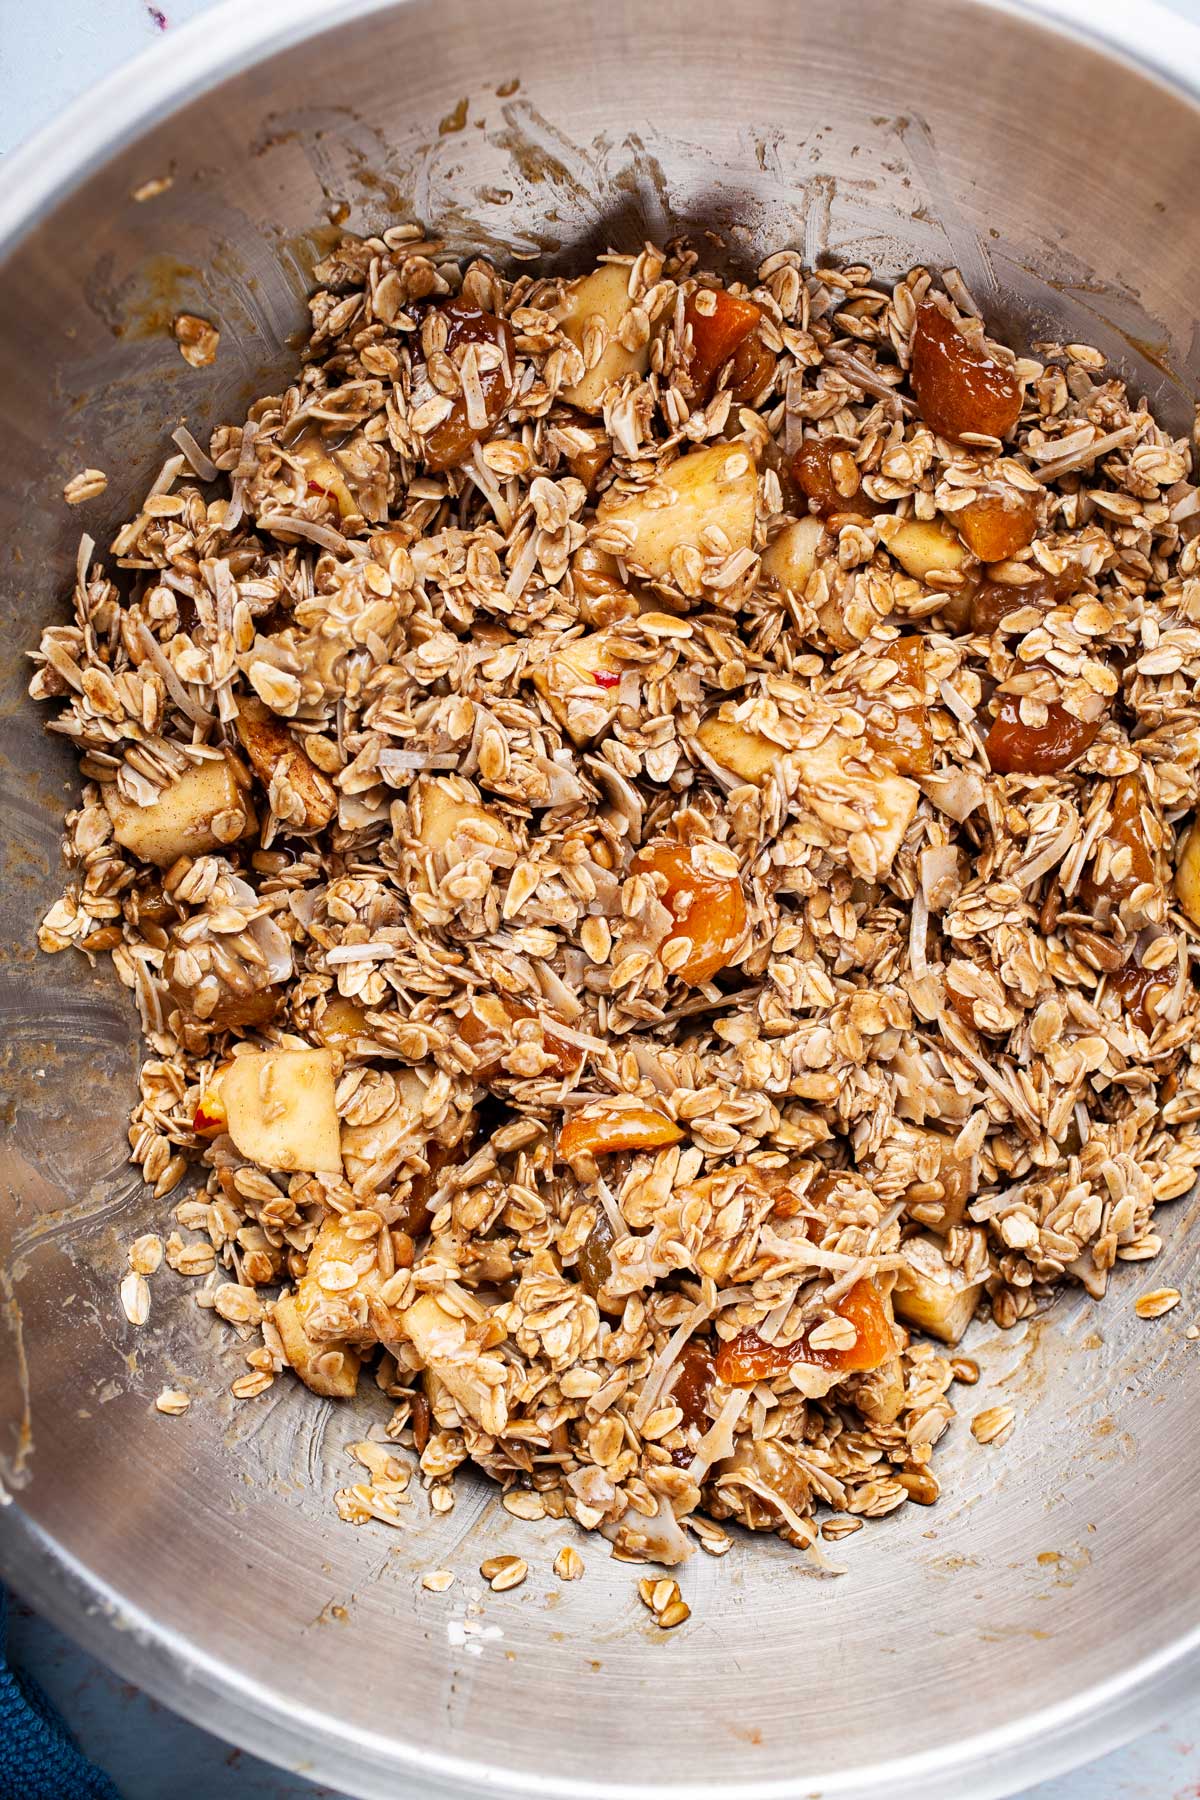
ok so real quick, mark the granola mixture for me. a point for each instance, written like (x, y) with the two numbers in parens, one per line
(647, 821)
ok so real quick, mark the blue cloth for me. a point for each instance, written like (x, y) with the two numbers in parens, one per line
(38, 1760)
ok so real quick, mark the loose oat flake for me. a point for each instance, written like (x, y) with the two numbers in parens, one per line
(649, 823)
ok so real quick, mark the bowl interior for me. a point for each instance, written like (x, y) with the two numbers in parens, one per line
(1055, 1572)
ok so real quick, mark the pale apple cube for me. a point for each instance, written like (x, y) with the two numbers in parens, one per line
(202, 810)
(714, 487)
(602, 296)
(328, 1369)
(933, 1296)
(280, 1109)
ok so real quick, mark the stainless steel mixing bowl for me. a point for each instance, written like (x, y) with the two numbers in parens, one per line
(1048, 1606)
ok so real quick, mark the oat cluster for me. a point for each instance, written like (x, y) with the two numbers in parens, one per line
(646, 821)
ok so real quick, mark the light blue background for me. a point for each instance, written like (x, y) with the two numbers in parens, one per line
(49, 52)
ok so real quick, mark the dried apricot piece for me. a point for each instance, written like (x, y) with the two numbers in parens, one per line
(477, 408)
(1142, 991)
(908, 745)
(1015, 748)
(751, 371)
(708, 909)
(1000, 523)
(603, 1130)
(825, 471)
(1132, 862)
(961, 389)
(720, 323)
(994, 600)
(746, 1358)
(487, 1026)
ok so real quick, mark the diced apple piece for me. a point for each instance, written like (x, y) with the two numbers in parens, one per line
(879, 1396)
(603, 295)
(706, 488)
(444, 816)
(790, 559)
(280, 1108)
(328, 1369)
(1187, 875)
(745, 753)
(924, 547)
(273, 750)
(200, 811)
(444, 1344)
(339, 1298)
(931, 1295)
(832, 775)
(323, 472)
(579, 684)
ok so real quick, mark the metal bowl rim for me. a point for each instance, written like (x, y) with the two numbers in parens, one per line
(216, 45)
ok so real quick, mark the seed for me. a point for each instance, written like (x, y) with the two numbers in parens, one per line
(135, 1298)
(919, 1485)
(173, 1401)
(1156, 1303)
(994, 1425)
(568, 1564)
(502, 1572)
(437, 1580)
(247, 1387)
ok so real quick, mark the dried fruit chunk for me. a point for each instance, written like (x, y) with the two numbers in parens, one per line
(1187, 875)
(274, 752)
(706, 490)
(825, 471)
(746, 1358)
(329, 1369)
(490, 1024)
(281, 1110)
(999, 524)
(1015, 748)
(483, 349)
(201, 810)
(604, 1130)
(995, 600)
(709, 909)
(752, 370)
(790, 558)
(695, 1374)
(908, 743)
(719, 322)
(961, 389)
(603, 298)
(925, 547)
(1142, 991)
(579, 684)
(933, 1296)
(1125, 852)
(595, 1259)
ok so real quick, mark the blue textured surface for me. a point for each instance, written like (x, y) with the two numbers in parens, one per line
(48, 55)
(38, 1758)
